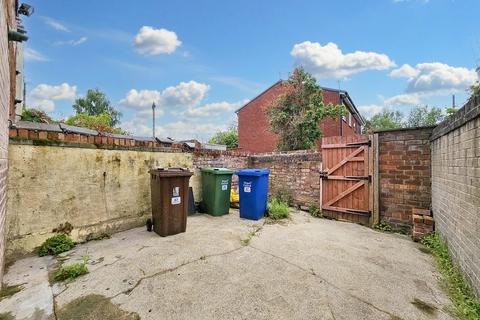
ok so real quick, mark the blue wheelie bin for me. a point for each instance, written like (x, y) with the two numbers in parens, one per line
(253, 186)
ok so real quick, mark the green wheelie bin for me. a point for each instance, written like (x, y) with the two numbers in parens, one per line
(216, 185)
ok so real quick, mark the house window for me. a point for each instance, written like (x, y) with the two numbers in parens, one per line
(344, 118)
(349, 119)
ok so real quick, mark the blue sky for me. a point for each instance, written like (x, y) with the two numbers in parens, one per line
(201, 60)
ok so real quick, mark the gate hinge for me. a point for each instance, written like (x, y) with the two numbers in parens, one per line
(323, 174)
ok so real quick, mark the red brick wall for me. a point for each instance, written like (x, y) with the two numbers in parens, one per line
(253, 132)
(296, 173)
(6, 19)
(405, 175)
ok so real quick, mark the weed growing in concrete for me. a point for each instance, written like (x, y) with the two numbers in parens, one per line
(315, 211)
(466, 305)
(283, 195)
(383, 226)
(277, 209)
(251, 234)
(72, 271)
(8, 291)
(56, 245)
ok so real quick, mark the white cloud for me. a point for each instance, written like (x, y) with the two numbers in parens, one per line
(330, 61)
(44, 96)
(55, 24)
(439, 77)
(182, 130)
(72, 42)
(212, 110)
(405, 71)
(33, 55)
(403, 99)
(151, 41)
(184, 94)
(141, 99)
(367, 111)
(431, 79)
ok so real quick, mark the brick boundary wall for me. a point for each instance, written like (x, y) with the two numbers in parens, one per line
(456, 187)
(404, 174)
(295, 173)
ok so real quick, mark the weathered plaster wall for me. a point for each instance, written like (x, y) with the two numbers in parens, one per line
(95, 190)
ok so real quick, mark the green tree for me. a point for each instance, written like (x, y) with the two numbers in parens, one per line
(96, 103)
(387, 119)
(475, 89)
(295, 116)
(228, 137)
(101, 122)
(422, 116)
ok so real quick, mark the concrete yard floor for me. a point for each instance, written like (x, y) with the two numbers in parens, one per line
(304, 268)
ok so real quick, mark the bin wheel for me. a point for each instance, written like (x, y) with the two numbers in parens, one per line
(149, 225)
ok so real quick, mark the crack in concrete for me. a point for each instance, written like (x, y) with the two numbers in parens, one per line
(162, 272)
(326, 281)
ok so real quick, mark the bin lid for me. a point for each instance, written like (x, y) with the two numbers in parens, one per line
(252, 172)
(172, 172)
(217, 170)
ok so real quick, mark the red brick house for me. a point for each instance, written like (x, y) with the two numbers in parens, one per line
(253, 126)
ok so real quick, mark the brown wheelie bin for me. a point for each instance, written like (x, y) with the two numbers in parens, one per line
(169, 188)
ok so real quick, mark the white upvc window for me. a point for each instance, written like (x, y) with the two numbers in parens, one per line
(349, 119)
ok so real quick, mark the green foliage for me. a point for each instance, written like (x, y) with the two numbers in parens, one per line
(315, 211)
(228, 137)
(383, 226)
(96, 103)
(285, 196)
(464, 301)
(99, 122)
(422, 116)
(450, 111)
(387, 119)
(35, 115)
(277, 209)
(475, 90)
(72, 271)
(56, 245)
(295, 115)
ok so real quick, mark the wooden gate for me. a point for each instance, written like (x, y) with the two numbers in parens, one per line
(347, 178)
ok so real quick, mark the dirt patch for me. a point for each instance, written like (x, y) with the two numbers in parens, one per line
(93, 307)
(425, 250)
(424, 307)
(8, 291)
(6, 316)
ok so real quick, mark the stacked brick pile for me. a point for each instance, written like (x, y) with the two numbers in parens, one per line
(423, 224)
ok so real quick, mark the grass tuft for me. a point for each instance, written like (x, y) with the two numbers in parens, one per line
(252, 233)
(466, 305)
(383, 226)
(278, 209)
(72, 271)
(56, 245)
(315, 211)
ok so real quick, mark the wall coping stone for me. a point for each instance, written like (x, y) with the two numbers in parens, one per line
(468, 112)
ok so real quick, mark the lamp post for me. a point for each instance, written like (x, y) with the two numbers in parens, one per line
(153, 113)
